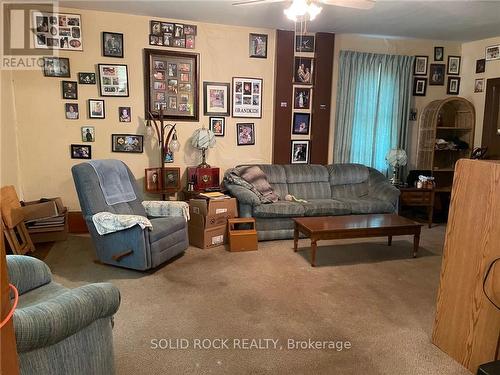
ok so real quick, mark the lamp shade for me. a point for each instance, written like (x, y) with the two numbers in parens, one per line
(396, 157)
(203, 139)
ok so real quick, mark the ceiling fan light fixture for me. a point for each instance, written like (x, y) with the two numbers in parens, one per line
(300, 9)
(313, 11)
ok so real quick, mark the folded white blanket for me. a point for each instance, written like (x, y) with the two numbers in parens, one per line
(107, 222)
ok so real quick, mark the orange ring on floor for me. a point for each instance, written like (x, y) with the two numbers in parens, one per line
(11, 312)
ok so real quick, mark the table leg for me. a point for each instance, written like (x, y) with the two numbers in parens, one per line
(416, 241)
(313, 252)
(295, 237)
(431, 209)
(389, 240)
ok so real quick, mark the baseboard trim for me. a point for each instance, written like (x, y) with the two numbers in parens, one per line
(76, 222)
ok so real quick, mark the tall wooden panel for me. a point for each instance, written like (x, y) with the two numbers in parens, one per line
(322, 97)
(467, 325)
(283, 104)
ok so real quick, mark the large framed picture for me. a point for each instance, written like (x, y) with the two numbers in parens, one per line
(303, 70)
(113, 79)
(245, 134)
(419, 86)
(300, 152)
(454, 65)
(453, 87)
(216, 100)
(112, 44)
(56, 67)
(247, 97)
(171, 84)
(301, 122)
(420, 67)
(492, 53)
(61, 31)
(436, 74)
(258, 45)
(132, 143)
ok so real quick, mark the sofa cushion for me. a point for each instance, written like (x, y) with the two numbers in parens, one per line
(279, 209)
(308, 181)
(326, 207)
(350, 190)
(164, 226)
(346, 174)
(368, 205)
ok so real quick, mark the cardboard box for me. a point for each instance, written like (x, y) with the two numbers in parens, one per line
(207, 238)
(36, 210)
(209, 207)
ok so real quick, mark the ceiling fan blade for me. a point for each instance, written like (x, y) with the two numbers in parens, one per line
(256, 2)
(358, 4)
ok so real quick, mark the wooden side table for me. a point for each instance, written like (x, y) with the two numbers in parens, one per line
(418, 198)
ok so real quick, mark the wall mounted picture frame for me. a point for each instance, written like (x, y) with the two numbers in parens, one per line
(304, 70)
(86, 78)
(454, 65)
(129, 143)
(247, 97)
(113, 80)
(479, 85)
(80, 151)
(124, 114)
(492, 52)
(56, 67)
(69, 89)
(301, 123)
(304, 43)
(96, 109)
(480, 66)
(245, 134)
(217, 125)
(257, 45)
(112, 44)
(88, 134)
(71, 111)
(453, 87)
(170, 34)
(419, 86)
(57, 31)
(171, 84)
(300, 152)
(438, 53)
(216, 99)
(420, 67)
(301, 98)
(436, 74)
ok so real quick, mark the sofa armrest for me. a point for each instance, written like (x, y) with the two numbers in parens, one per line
(244, 195)
(54, 320)
(166, 208)
(379, 187)
(27, 273)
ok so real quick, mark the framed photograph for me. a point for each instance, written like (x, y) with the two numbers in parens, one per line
(301, 122)
(493, 53)
(81, 152)
(86, 78)
(152, 179)
(171, 179)
(420, 67)
(258, 45)
(413, 114)
(303, 70)
(71, 110)
(301, 98)
(88, 134)
(300, 152)
(479, 85)
(112, 44)
(56, 67)
(419, 86)
(113, 79)
(436, 74)
(124, 114)
(304, 43)
(438, 53)
(57, 31)
(190, 41)
(96, 109)
(454, 65)
(132, 143)
(480, 66)
(216, 100)
(69, 90)
(155, 27)
(155, 40)
(247, 97)
(453, 87)
(171, 84)
(217, 125)
(245, 134)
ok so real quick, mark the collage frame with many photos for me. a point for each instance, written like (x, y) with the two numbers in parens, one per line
(57, 31)
(172, 84)
(170, 34)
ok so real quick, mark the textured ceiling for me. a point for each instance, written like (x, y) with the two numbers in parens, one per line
(441, 20)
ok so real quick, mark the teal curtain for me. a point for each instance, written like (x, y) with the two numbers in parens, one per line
(373, 103)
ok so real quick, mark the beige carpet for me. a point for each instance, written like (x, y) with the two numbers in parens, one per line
(376, 297)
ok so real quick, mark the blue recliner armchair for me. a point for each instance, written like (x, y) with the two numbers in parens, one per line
(61, 331)
(135, 248)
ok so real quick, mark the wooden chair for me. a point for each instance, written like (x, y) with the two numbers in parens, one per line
(13, 222)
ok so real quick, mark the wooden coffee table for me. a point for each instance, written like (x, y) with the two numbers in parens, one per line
(354, 226)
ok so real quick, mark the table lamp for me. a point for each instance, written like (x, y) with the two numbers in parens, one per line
(396, 158)
(202, 140)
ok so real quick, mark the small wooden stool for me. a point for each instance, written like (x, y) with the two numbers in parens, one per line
(242, 234)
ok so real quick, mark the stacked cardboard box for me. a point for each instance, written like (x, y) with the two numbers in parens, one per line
(208, 224)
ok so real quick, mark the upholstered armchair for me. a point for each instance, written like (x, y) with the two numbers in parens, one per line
(61, 331)
(139, 247)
